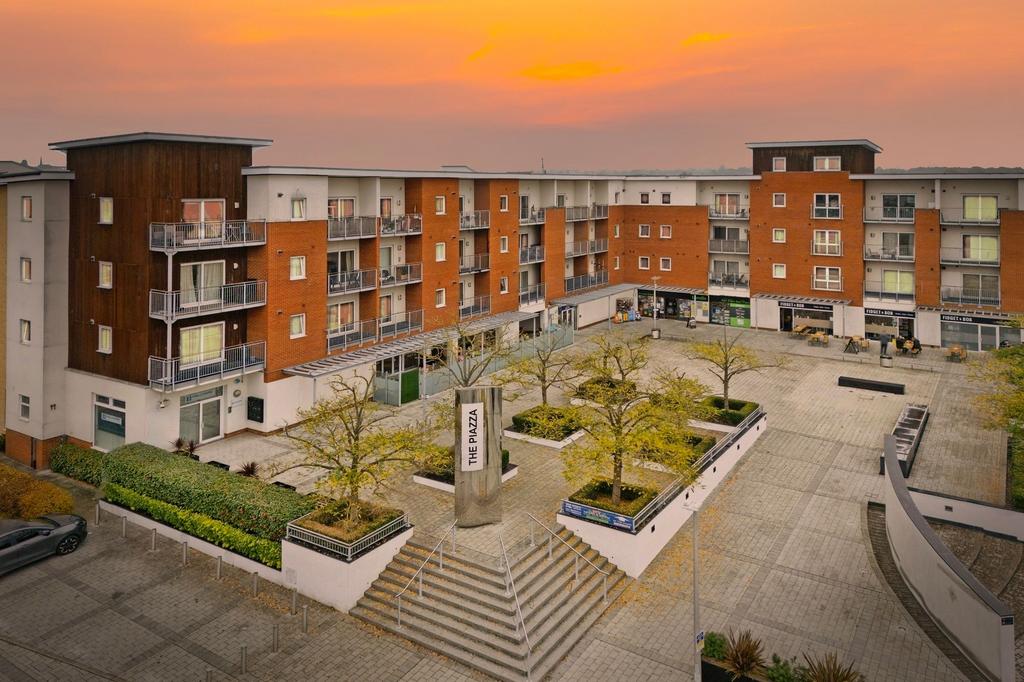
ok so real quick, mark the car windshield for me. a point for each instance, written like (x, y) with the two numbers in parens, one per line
(43, 521)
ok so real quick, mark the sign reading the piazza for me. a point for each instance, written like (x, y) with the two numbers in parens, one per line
(804, 306)
(474, 437)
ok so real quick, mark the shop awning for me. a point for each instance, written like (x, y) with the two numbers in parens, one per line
(595, 294)
(803, 299)
(694, 291)
(976, 312)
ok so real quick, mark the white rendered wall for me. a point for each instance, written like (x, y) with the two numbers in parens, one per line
(263, 202)
(988, 517)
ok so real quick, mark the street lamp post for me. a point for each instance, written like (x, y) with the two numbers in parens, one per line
(655, 332)
(695, 643)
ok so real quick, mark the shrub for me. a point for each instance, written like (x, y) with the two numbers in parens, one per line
(744, 655)
(737, 411)
(714, 645)
(1016, 468)
(24, 497)
(782, 670)
(198, 525)
(828, 669)
(701, 444)
(250, 469)
(445, 472)
(13, 484)
(81, 464)
(547, 421)
(336, 520)
(598, 493)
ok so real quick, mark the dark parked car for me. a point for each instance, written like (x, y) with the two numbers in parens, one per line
(22, 542)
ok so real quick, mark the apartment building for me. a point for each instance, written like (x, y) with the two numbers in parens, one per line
(177, 290)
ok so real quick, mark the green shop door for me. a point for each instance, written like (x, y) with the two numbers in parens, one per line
(410, 386)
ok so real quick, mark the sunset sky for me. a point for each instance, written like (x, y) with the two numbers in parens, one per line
(497, 85)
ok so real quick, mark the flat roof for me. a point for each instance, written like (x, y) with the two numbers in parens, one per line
(448, 172)
(858, 142)
(159, 137)
(940, 175)
(595, 294)
(34, 175)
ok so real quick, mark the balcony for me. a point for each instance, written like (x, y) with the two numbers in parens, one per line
(531, 254)
(171, 374)
(970, 296)
(575, 214)
(351, 281)
(351, 227)
(826, 284)
(957, 216)
(573, 249)
(599, 211)
(586, 281)
(875, 291)
(474, 262)
(955, 255)
(819, 248)
(728, 280)
(172, 237)
(400, 323)
(532, 294)
(399, 225)
(474, 220)
(903, 215)
(728, 246)
(398, 275)
(729, 212)
(351, 334)
(533, 217)
(900, 254)
(826, 212)
(176, 305)
(473, 307)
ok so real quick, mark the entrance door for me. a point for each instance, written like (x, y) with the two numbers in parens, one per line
(786, 319)
(524, 206)
(385, 308)
(906, 327)
(385, 207)
(200, 422)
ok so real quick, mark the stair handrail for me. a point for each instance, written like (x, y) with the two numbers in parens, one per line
(419, 571)
(515, 595)
(552, 534)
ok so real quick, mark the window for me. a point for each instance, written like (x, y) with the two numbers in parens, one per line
(779, 164)
(779, 235)
(109, 417)
(106, 275)
(298, 209)
(728, 205)
(981, 247)
(560, 201)
(616, 197)
(297, 267)
(665, 264)
(898, 245)
(503, 244)
(645, 231)
(341, 207)
(779, 269)
(105, 339)
(439, 298)
(645, 198)
(666, 232)
(26, 269)
(340, 316)
(898, 282)
(209, 213)
(616, 262)
(503, 203)
(827, 206)
(644, 263)
(204, 343)
(827, 243)
(462, 204)
(201, 282)
(297, 326)
(980, 208)
(503, 285)
(826, 163)
(898, 206)
(25, 331)
(980, 289)
(440, 251)
(24, 407)
(666, 197)
(828, 278)
(106, 211)
(26, 208)
(779, 200)
(616, 231)
(439, 205)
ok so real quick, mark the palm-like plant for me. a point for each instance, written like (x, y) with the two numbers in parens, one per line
(250, 469)
(744, 655)
(828, 669)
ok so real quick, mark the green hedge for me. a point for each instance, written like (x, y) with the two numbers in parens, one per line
(598, 493)
(445, 473)
(701, 444)
(546, 421)
(1016, 464)
(737, 411)
(81, 464)
(198, 525)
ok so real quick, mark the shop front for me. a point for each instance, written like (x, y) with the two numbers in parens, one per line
(973, 332)
(732, 312)
(879, 322)
(674, 304)
(796, 314)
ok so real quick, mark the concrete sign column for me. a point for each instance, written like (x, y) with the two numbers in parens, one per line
(477, 456)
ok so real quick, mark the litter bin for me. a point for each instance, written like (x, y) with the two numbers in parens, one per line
(885, 361)
(655, 333)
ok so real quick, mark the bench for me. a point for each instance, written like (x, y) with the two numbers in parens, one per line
(872, 385)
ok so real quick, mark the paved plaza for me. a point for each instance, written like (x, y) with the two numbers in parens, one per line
(784, 552)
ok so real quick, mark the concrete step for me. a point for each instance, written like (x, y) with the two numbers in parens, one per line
(469, 567)
(442, 596)
(539, 610)
(997, 562)
(400, 573)
(547, 573)
(430, 571)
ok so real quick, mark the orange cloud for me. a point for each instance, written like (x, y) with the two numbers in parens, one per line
(569, 71)
(702, 38)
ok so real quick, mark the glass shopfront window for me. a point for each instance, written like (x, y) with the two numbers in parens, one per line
(976, 335)
(734, 312)
(109, 419)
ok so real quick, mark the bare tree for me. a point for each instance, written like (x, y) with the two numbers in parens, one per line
(728, 359)
(546, 366)
(467, 355)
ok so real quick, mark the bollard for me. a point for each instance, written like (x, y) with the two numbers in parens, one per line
(305, 619)
(124, 526)
(184, 553)
(220, 566)
(209, 675)
(152, 541)
(576, 577)
(97, 513)
(245, 663)
(295, 600)
(255, 584)
(275, 647)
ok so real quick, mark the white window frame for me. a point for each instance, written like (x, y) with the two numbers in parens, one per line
(25, 269)
(100, 267)
(827, 165)
(663, 233)
(666, 197)
(645, 197)
(827, 243)
(616, 231)
(503, 244)
(334, 205)
(503, 203)
(440, 204)
(616, 263)
(443, 297)
(640, 231)
(26, 208)
(301, 317)
(25, 332)
(110, 202)
(24, 407)
(292, 260)
(109, 332)
(662, 263)
(779, 241)
(822, 283)
(440, 252)
(640, 262)
(827, 208)
(775, 200)
(503, 285)
(776, 271)
(300, 203)
(203, 356)
(775, 164)
(561, 200)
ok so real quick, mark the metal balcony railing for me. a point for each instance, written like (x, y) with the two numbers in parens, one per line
(889, 214)
(400, 323)
(729, 212)
(351, 227)
(474, 262)
(956, 255)
(533, 217)
(599, 211)
(531, 254)
(957, 216)
(351, 334)
(904, 254)
(397, 275)
(170, 374)
(472, 307)
(531, 294)
(474, 220)
(728, 280)
(397, 225)
(176, 305)
(728, 246)
(576, 213)
(821, 248)
(875, 291)
(826, 212)
(970, 296)
(351, 280)
(586, 281)
(582, 248)
(171, 237)
(826, 284)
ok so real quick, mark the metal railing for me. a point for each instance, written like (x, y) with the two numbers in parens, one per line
(889, 214)
(474, 262)
(728, 280)
(175, 305)
(822, 248)
(970, 296)
(826, 284)
(902, 253)
(599, 211)
(586, 247)
(471, 307)
(351, 334)
(439, 548)
(728, 246)
(531, 254)
(474, 220)
(730, 212)
(346, 551)
(576, 213)
(351, 280)
(397, 275)
(410, 223)
(826, 212)
(552, 536)
(206, 235)
(875, 291)
(515, 596)
(586, 280)
(535, 216)
(351, 227)
(400, 323)
(170, 374)
(531, 294)
(957, 216)
(957, 255)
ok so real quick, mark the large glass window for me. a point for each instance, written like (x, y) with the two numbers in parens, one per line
(340, 315)
(200, 282)
(109, 423)
(208, 214)
(341, 207)
(980, 208)
(827, 243)
(898, 244)
(827, 163)
(204, 343)
(106, 211)
(828, 278)
(981, 247)
(727, 204)
(898, 206)
(722, 232)
(828, 206)
(898, 282)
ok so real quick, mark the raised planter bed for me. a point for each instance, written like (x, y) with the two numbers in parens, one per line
(447, 485)
(552, 427)
(730, 415)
